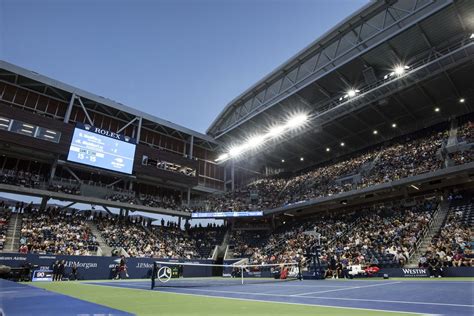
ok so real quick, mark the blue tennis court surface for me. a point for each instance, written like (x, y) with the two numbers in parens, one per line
(424, 297)
(20, 299)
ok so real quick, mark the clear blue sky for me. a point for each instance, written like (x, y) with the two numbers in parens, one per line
(181, 60)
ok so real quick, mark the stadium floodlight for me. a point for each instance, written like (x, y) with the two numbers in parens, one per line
(237, 150)
(375, 132)
(462, 100)
(394, 125)
(343, 144)
(255, 141)
(397, 71)
(328, 149)
(296, 121)
(352, 93)
(222, 157)
(437, 109)
(276, 131)
(349, 94)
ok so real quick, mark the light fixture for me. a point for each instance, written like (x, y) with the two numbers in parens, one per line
(394, 125)
(235, 151)
(414, 187)
(302, 159)
(349, 94)
(437, 109)
(222, 157)
(283, 160)
(255, 141)
(328, 149)
(276, 131)
(462, 100)
(343, 144)
(352, 93)
(296, 121)
(375, 132)
(472, 36)
(397, 71)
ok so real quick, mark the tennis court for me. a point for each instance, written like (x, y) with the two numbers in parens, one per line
(439, 297)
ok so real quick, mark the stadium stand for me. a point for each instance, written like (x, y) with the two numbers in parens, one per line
(401, 158)
(384, 237)
(452, 245)
(54, 231)
(5, 215)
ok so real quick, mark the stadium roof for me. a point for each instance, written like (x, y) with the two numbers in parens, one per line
(432, 38)
(56, 89)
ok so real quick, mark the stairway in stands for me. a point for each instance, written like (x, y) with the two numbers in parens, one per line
(12, 242)
(439, 217)
(106, 250)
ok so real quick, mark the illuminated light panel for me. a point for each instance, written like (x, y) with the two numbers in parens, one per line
(296, 121)
(462, 100)
(255, 141)
(394, 125)
(276, 131)
(472, 36)
(283, 160)
(328, 149)
(28, 126)
(375, 132)
(26, 131)
(437, 109)
(343, 144)
(302, 159)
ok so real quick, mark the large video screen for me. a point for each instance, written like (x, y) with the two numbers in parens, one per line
(101, 148)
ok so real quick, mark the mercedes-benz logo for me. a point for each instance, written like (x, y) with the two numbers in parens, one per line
(164, 274)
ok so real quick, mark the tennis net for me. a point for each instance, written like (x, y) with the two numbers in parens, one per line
(180, 274)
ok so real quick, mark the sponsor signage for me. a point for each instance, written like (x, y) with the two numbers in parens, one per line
(226, 214)
(42, 275)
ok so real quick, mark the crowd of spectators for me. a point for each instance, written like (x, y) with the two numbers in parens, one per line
(385, 237)
(68, 189)
(168, 202)
(128, 198)
(55, 231)
(165, 241)
(5, 215)
(20, 178)
(452, 246)
(404, 157)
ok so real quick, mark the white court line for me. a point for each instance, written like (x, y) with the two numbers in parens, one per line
(276, 302)
(387, 301)
(346, 288)
(318, 297)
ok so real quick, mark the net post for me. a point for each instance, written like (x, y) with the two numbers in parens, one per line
(242, 274)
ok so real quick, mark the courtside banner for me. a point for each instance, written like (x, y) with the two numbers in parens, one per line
(226, 214)
(96, 268)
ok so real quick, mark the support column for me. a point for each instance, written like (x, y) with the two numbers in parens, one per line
(139, 129)
(191, 147)
(67, 116)
(179, 221)
(188, 198)
(53, 170)
(232, 173)
(44, 203)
